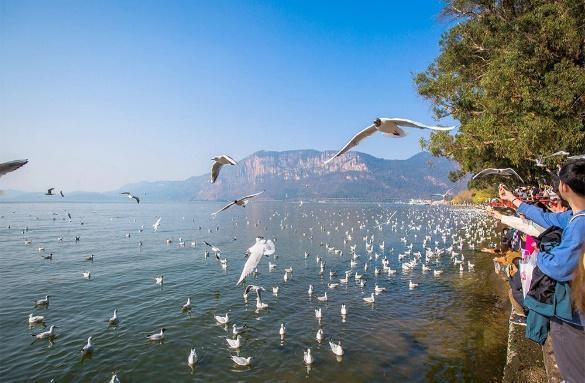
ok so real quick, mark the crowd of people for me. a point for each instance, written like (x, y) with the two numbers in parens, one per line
(542, 254)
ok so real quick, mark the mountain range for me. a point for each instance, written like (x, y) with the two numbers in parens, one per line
(294, 174)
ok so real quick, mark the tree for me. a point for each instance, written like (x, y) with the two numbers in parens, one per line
(512, 72)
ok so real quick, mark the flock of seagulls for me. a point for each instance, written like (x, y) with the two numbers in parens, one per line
(433, 241)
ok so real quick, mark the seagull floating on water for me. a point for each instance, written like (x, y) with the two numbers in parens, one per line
(192, 359)
(88, 348)
(234, 343)
(49, 334)
(241, 361)
(33, 319)
(159, 336)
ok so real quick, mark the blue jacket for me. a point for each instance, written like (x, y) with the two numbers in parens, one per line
(559, 262)
(539, 314)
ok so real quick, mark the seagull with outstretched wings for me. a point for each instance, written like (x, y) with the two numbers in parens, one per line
(218, 162)
(506, 172)
(388, 126)
(262, 247)
(130, 196)
(240, 202)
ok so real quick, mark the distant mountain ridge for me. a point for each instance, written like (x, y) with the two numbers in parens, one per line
(301, 174)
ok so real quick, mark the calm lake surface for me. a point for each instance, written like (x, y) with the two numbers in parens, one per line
(450, 328)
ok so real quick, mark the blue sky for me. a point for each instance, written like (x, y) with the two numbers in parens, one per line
(97, 94)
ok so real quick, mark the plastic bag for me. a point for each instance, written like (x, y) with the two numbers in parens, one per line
(527, 265)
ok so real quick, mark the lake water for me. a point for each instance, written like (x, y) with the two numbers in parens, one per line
(451, 328)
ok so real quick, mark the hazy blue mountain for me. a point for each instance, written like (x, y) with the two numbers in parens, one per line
(294, 174)
(300, 174)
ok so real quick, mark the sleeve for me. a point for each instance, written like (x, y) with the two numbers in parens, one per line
(560, 262)
(543, 219)
(522, 225)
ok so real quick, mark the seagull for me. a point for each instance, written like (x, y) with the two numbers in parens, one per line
(192, 359)
(412, 285)
(88, 348)
(50, 334)
(131, 196)
(35, 319)
(241, 361)
(43, 301)
(222, 320)
(323, 298)
(379, 290)
(506, 172)
(239, 330)
(50, 191)
(234, 343)
(159, 280)
(310, 292)
(444, 195)
(7, 167)
(336, 348)
(343, 310)
(156, 225)
(219, 161)
(240, 202)
(261, 247)
(307, 357)
(388, 126)
(157, 336)
(318, 314)
(370, 299)
(320, 336)
(114, 319)
(187, 306)
(114, 378)
(282, 330)
(215, 249)
(87, 274)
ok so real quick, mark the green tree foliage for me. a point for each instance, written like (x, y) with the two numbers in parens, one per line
(512, 72)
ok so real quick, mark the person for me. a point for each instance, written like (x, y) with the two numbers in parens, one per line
(560, 263)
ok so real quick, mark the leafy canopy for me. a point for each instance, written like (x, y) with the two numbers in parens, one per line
(513, 74)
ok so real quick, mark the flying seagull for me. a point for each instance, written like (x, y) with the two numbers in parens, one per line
(540, 160)
(443, 196)
(61, 192)
(388, 126)
(507, 172)
(260, 248)
(240, 202)
(7, 167)
(132, 196)
(50, 191)
(219, 161)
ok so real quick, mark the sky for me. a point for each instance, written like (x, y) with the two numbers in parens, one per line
(98, 94)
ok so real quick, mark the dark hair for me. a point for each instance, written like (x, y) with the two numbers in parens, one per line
(573, 174)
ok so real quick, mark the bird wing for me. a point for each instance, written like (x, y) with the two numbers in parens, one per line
(513, 172)
(223, 208)
(137, 199)
(126, 193)
(438, 195)
(251, 196)
(354, 141)
(208, 244)
(415, 124)
(485, 172)
(50, 190)
(157, 222)
(259, 249)
(228, 159)
(7, 167)
(215, 171)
